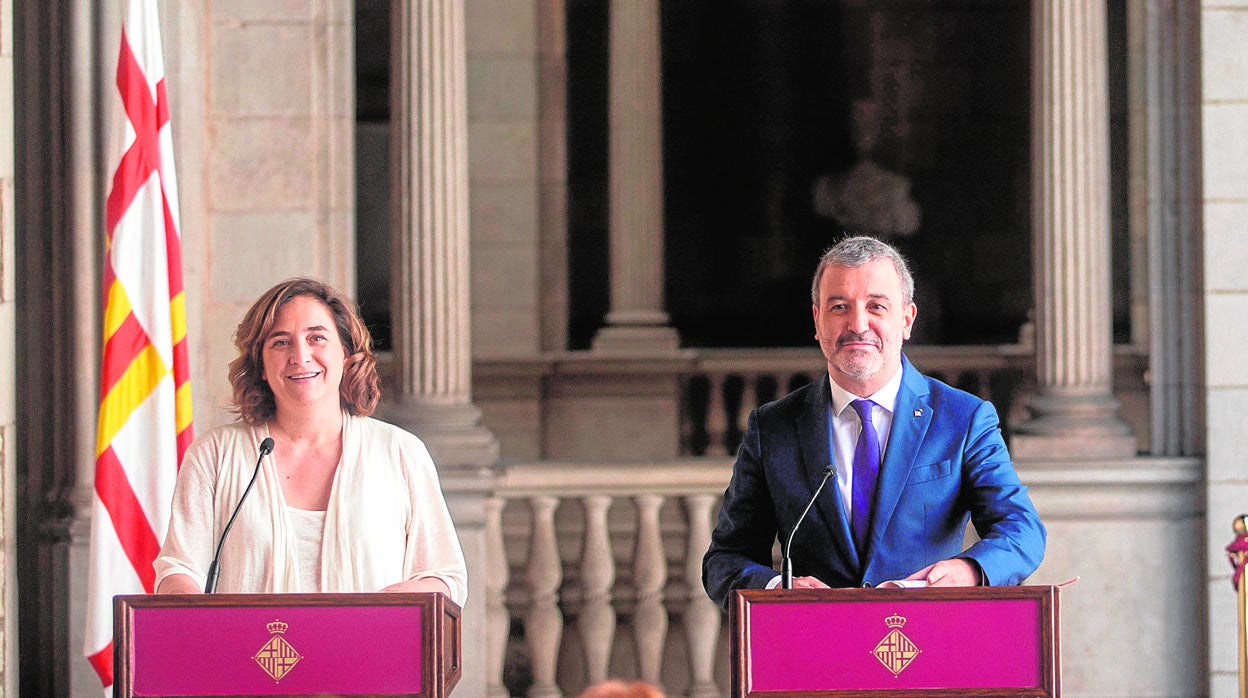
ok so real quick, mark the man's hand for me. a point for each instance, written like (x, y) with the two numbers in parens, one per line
(956, 572)
(808, 583)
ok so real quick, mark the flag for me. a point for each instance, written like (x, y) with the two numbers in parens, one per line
(145, 395)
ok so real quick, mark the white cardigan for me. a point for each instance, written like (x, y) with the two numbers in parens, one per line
(386, 521)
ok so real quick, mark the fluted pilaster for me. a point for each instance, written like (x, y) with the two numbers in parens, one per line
(1074, 413)
(429, 234)
(636, 320)
(429, 284)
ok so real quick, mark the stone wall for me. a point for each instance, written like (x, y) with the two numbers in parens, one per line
(263, 117)
(1224, 105)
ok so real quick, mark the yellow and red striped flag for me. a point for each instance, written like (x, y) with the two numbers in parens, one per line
(145, 397)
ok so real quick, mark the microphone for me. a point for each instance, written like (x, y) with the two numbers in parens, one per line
(214, 570)
(786, 562)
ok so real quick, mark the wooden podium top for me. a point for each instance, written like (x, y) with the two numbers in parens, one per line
(286, 644)
(983, 641)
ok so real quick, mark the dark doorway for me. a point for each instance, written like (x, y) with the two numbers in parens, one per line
(761, 102)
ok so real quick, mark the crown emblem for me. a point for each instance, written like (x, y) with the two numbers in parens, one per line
(896, 651)
(277, 657)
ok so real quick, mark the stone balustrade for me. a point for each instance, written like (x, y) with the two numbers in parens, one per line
(726, 384)
(696, 402)
(612, 475)
(595, 572)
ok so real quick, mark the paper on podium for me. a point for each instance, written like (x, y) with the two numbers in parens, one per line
(903, 584)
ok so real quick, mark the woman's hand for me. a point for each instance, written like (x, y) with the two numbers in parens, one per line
(178, 584)
(422, 584)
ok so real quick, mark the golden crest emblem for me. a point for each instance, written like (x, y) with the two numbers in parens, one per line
(895, 651)
(277, 657)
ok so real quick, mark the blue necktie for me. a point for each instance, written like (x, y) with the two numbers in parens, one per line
(866, 470)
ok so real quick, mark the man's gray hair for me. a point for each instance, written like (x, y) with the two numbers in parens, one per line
(860, 250)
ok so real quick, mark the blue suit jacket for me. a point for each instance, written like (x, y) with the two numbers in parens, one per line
(945, 462)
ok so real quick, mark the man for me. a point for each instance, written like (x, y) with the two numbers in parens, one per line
(911, 466)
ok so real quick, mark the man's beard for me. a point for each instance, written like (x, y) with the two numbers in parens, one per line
(859, 364)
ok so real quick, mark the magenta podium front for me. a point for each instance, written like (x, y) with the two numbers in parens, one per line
(286, 644)
(911, 643)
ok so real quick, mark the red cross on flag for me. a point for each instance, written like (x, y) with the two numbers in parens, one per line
(145, 397)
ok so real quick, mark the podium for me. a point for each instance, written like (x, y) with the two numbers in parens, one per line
(379, 644)
(865, 643)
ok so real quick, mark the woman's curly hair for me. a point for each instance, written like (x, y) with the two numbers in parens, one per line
(360, 389)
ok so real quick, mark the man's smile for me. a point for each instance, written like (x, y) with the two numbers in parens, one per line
(858, 341)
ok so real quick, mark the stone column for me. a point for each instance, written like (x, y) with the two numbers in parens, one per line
(429, 235)
(552, 172)
(1166, 196)
(1074, 413)
(90, 79)
(636, 320)
(8, 349)
(432, 395)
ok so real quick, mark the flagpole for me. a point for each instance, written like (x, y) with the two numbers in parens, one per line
(1242, 593)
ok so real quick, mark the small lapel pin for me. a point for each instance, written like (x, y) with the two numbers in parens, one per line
(918, 413)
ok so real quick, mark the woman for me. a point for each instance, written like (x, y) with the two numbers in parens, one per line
(615, 688)
(344, 503)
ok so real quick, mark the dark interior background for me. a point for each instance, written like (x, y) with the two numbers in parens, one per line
(757, 97)
(756, 106)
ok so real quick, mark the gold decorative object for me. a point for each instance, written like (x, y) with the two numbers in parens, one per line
(895, 651)
(1237, 551)
(277, 657)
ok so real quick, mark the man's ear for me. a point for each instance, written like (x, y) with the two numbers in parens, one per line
(911, 312)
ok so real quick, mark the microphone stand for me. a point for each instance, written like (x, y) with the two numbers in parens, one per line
(786, 562)
(214, 570)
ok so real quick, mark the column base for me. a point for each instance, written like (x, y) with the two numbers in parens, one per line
(637, 339)
(1073, 427)
(453, 433)
(465, 490)
(83, 680)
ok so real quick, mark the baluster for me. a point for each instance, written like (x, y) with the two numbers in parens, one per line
(693, 423)
(749, 399)
(597, 621)
(983, 384)
(650, 576)
(735, 412)
(796, 381)
(544, 625)
(702, 616)
(968, 380)
(766, 388)
(497, 620)
(716, 419)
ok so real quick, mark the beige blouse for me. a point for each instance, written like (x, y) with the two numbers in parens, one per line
(386, 521)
